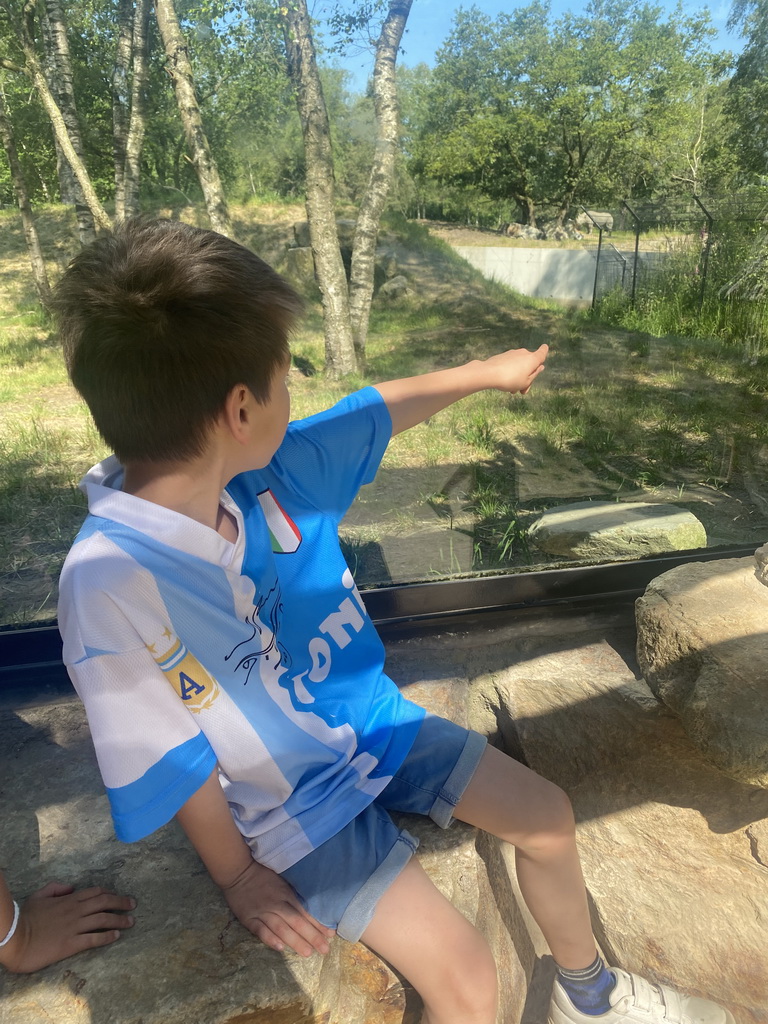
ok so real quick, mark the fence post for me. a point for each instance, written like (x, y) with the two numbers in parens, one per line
(597, 258)
(636, 219)
(705, 259)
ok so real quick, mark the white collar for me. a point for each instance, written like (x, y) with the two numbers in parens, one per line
(102, 485)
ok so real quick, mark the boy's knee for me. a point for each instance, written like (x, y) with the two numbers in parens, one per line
(470, 982)
(556, 821)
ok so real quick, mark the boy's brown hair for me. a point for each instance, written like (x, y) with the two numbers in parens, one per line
(159, 321)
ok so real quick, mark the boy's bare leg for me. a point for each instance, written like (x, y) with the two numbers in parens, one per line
(510, 801)
(448, 962)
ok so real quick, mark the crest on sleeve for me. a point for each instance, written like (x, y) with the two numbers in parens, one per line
(196, 687)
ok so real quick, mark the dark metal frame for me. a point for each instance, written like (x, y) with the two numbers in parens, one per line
(33, 655)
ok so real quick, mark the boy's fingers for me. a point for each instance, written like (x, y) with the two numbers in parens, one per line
(305, 925)
(103, 900)
(278, 934)
(295, 931)
(55, 889)
(104, 921)
(95, 890)
(330, 932)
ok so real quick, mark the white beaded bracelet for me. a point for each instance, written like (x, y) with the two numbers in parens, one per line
(12, 929)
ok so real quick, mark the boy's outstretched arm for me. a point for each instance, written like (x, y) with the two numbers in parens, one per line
(414, 399)
(56, 922)
(260, 899)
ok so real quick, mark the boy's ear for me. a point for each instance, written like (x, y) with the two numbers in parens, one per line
(238, 413)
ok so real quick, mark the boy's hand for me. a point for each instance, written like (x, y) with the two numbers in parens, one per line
(56, 922)
(516, 370)
(269, 908)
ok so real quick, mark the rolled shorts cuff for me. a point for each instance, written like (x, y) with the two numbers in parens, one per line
(456, 783)
(361, 909)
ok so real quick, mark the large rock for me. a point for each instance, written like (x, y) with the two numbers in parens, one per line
(761, 564)
(703, 648)
(300, 265)
(675, 854)
(603, 530)
(395, 288)
(187, 961)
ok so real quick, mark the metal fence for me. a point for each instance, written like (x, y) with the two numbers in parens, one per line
(708, 250)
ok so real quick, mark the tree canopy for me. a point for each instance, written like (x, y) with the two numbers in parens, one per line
(552, 112)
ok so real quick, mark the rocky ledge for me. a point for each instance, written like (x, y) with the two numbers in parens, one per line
(675, 853)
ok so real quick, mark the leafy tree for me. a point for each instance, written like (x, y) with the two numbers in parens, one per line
(748, 99)
(554, 113)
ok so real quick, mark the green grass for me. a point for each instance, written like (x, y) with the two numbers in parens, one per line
(618, 413)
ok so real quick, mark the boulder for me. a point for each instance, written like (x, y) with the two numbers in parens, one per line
(604, 530)
(394, 289)
(301, 233)
(702, 646)
(674, 853)
(187, 960)
(300, 265)
(536, 234)
(386, 262)
(761, 564)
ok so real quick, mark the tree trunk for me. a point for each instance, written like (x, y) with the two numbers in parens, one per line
(22, 197)
(121, 110)
(137, 123)
(382, 172)
(64, 94)
(66, 179)
(340, 356)
(189, 110)
(35, 72)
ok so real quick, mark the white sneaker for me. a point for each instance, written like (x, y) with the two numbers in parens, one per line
(636, 1001)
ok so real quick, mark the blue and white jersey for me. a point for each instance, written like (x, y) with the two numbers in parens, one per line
(191, 652)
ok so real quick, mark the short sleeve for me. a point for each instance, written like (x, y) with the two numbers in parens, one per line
(152, 755)
(328, 457)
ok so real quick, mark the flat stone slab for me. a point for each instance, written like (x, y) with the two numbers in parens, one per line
(603, 530)
(703, 650)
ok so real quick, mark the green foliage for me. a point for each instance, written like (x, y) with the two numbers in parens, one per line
(726, 299)
(748, 93)
(552, 113)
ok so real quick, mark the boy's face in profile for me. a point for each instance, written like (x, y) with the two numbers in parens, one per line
(277, 412)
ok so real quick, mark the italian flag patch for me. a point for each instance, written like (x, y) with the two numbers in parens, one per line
(283, 532)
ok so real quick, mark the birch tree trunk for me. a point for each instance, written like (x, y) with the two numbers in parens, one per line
(137, 123)
(35, 72)
(121, 109)
(22, 197)
(382, 172)
(66, 179)
(340, 356)
(189, 110)
(56, 32)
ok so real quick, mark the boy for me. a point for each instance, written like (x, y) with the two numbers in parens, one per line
(210, 562)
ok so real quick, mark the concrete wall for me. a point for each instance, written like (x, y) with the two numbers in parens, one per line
(566, 274)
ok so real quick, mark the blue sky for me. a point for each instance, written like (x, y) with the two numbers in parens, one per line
(430, 21)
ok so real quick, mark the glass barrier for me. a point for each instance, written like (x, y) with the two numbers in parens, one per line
(628, 445)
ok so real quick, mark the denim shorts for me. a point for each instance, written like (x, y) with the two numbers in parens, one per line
(341, 881)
